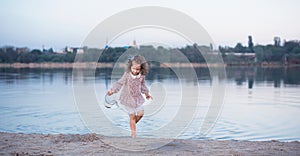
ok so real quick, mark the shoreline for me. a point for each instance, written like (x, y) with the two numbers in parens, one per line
(122, 65)
(92, 144)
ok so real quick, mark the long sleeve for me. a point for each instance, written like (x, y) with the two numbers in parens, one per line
(118, 85)
(144, 88)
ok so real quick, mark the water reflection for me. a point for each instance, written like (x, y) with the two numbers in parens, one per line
(249, 76)
(16, 75)
(257, 75)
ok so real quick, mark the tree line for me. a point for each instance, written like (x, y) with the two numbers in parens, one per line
(288, 52)
(277, 52)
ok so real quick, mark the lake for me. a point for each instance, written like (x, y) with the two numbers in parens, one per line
(259, 103)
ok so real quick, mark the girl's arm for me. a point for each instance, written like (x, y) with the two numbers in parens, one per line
(118, 85)
(144, 89)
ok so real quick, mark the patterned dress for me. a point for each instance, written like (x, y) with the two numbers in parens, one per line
(133, 88)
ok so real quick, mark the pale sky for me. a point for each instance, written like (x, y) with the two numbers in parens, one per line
(60, 23)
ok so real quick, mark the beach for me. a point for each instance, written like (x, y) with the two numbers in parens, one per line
(92, 144)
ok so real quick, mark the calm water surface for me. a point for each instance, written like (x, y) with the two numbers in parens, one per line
(260, 103)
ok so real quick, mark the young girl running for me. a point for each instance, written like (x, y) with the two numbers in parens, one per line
(133, 83)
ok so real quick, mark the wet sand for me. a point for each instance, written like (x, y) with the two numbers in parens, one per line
(92, 144)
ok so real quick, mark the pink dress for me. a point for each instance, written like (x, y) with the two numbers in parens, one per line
(133, 88)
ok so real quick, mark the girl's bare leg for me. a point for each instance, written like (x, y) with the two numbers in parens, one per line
(132, 121)
(139, 116)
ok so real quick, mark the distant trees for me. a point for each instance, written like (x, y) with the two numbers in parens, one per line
(273, 53)
(109, 55)
(250, 44)
(240, 48)
(278, 53)
(290, 45)
(9, 54)
(289, 52)
(292, 49)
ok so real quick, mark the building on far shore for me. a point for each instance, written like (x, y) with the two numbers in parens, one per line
(245, 57)
(22, 50)
(242, 54)
(77, 50)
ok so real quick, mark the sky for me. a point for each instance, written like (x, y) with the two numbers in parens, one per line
(61, 23)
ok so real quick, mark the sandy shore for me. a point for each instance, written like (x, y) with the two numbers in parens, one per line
(92, 144)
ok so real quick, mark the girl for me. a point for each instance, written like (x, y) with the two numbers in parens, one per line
(133, 82)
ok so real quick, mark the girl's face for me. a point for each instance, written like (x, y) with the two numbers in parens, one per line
(135, 68)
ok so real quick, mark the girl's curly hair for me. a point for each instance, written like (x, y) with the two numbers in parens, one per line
(139, 60)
